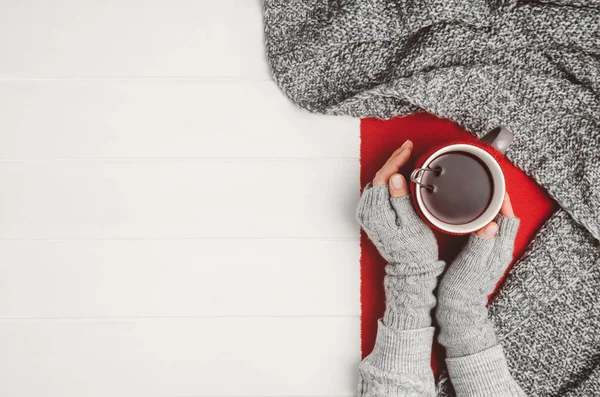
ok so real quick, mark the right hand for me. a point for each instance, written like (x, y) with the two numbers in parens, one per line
(490, 230)
(464, 289)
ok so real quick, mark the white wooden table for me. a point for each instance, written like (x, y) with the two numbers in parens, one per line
(170, 224)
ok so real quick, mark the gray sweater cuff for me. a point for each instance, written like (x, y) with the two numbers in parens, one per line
(483, 374)
(402, 351)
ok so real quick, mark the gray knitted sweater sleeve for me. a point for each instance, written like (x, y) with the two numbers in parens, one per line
(399, 364)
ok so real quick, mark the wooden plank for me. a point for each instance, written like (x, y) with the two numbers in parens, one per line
(313, 198)
(178, 278)
(129, 38)
(186, 357)
(164, 119)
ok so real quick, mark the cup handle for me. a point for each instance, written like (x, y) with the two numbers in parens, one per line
(499, 138)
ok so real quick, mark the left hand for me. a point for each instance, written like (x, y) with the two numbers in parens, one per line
(387, 214)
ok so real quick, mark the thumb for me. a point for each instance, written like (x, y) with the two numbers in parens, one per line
(489, 231)
(398, 186)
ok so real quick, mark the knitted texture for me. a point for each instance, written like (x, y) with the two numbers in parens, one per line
(529, 66)
(463, 292)
(483, 374)
(398, 365)
(551, 342)
(533, 67)
(410, 248)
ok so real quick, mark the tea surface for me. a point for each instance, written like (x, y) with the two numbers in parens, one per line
(462, 190)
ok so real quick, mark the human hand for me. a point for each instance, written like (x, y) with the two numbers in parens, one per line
(490, 230)
(386, 213)
(464, 288)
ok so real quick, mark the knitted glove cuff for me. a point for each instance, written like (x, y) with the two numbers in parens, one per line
(483, 374)
(406, 351)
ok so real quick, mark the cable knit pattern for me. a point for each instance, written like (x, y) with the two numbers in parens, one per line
(409, 297)
(410, 248)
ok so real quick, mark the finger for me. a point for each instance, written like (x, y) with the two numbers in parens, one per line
(391, 167)
(380, 180)
(406, 145)
(398, 186)
(507, 209)
(489, 231)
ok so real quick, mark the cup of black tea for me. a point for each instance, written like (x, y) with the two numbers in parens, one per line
(460, 187)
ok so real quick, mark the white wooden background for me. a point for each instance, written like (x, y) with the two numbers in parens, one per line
(170, 225)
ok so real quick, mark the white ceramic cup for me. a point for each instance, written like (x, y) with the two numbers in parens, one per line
(500, 139)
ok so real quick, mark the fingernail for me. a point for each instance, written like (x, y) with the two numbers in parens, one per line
(397, 182)
(491, 230)
(404, 144)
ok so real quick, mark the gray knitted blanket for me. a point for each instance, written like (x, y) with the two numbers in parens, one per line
(531, 66)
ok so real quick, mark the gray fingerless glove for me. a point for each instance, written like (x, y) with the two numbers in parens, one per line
(410, 248)
(476, 363)
(463, 292)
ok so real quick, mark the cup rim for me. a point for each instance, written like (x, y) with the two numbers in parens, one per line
(497, 196)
